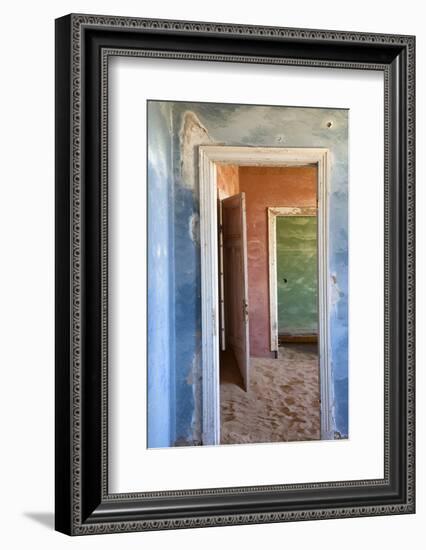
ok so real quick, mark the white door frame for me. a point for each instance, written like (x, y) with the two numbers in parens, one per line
(209, 156)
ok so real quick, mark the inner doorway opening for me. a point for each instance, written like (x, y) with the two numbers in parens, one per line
(268, 393)
(260, 383)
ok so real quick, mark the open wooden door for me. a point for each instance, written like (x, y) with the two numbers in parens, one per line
(234, 242)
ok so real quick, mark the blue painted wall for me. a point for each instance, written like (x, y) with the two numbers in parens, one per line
(174, 133)
(160, 276)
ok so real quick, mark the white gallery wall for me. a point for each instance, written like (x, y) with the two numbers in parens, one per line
(27, 272)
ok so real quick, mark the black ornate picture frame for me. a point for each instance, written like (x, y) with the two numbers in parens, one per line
(83, 46)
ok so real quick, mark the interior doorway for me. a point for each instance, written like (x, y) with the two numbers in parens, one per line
(233, 313)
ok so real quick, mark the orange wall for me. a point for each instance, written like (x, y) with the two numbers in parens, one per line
(227, 180)
(265, 187)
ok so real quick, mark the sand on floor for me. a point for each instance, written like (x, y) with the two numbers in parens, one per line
(282, 403)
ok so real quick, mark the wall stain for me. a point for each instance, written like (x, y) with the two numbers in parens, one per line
(194, 379)
(336, 294)
(192, 135)
(194, 227)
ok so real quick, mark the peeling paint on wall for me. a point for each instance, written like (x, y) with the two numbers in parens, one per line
(192, 135)
(336, 294)
(194, 227)
(195, 381)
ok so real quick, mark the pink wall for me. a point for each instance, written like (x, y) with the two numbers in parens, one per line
(265, 187)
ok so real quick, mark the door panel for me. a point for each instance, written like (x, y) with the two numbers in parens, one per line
(222, 321)
(234, 234)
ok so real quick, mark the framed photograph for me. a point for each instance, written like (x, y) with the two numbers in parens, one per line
(234, 274)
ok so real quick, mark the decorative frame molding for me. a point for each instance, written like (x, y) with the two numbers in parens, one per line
(83, 45)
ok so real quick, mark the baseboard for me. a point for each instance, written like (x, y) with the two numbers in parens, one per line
(298, 338)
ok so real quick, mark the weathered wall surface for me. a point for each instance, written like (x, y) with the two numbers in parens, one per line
(194, 124)
(160, 263)
(297, 274)
(265, 187)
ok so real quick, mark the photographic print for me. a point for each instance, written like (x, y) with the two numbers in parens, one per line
(247, 274)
